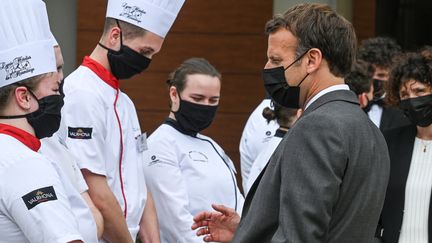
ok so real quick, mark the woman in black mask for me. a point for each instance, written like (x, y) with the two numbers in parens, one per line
(406, 215)
(186, 171)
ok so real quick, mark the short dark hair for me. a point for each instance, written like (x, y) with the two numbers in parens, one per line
(129, 31)
(7, 91)
(284, 116)
(411, 66)
(379, 51)
(318, 26)
(191, 66)
(360, 78)
(426, 51)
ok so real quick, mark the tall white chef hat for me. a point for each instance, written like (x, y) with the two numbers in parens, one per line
(156, 16)
(26, 48)
(54, 42)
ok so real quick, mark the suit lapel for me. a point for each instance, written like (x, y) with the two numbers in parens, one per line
(400, 145)
(403, 149)
(252, 191)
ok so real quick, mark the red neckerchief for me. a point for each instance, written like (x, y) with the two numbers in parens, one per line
(101, 72)
(24, 137)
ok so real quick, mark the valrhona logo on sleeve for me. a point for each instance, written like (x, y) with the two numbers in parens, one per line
(132, 12)
(39, 196)
(80, 132)
(17, 67)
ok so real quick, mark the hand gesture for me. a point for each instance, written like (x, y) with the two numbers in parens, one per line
(219, 226)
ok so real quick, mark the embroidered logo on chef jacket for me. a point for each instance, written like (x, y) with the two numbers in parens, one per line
(80, 132)
(154, 160)
(39, 196)
(268, 137)
(17, 67)
(197, 156)
(132, 12)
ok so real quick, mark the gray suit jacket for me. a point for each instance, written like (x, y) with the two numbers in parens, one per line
(325, 182)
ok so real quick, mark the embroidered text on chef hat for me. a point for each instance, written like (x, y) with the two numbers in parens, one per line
(156, 16)
(26, 49)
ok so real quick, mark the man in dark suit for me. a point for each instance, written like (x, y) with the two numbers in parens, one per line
(381, 52)
(326, 181)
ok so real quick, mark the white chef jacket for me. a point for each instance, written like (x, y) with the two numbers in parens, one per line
(55, 149)
(66, 164)
(186, 174)
(34, 201)
(262, 159)
(256, 133)
(101, 128)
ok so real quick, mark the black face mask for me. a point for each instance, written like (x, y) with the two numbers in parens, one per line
(278, 88)
(378, 85)
(126, 62)
(418, 110)
(46, 120)
(193, 117)
(61, 90)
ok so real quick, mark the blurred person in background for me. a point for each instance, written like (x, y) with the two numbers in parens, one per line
(256, 134)
(381, 52)
(406, 215)
(360, 82)
(285, 118)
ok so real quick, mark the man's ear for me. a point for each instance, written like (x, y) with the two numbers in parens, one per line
(173, 94)
(299, 113)
(22, 97)
(113, 37)
(174, 98)
(363, 100)
(314, 59)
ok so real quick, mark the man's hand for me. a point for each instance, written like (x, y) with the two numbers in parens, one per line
(219, 226)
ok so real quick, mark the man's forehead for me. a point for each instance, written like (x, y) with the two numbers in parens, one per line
(282, 40)
(380, 69)
(149, 40)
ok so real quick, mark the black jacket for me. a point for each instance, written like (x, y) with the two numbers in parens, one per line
(400, 143)
(392, 118)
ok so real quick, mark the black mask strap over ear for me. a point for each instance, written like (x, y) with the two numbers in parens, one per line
(104, 47)
(121, 38)
(20, 116)
(121, 33)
